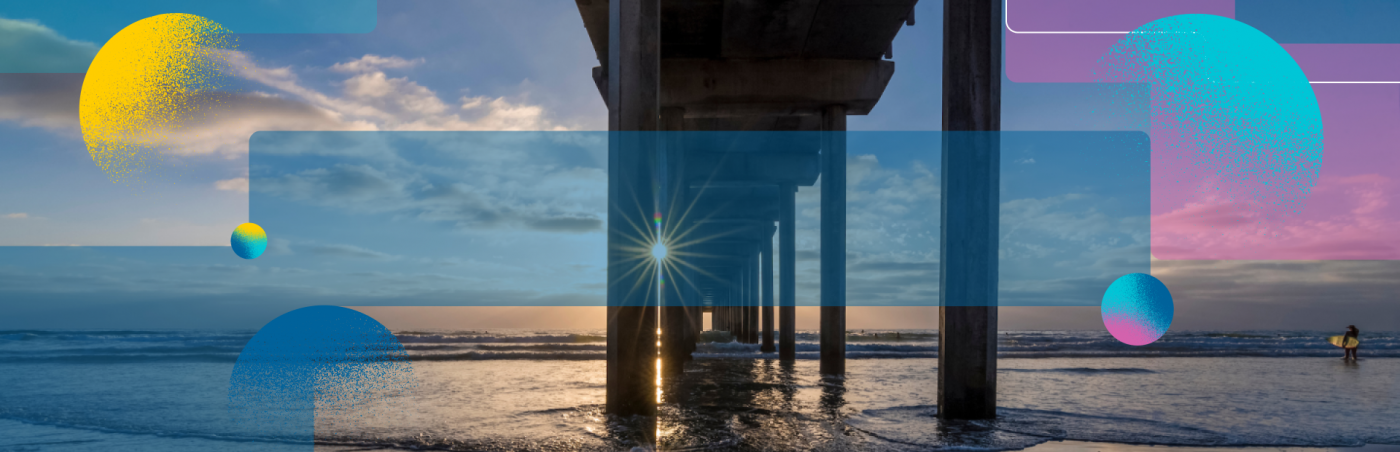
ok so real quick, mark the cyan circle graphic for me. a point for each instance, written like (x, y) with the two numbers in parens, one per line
(1137, 309)
(1234, 118)
(248, 241)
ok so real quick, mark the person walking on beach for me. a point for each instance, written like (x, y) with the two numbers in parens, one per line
(1352, 332)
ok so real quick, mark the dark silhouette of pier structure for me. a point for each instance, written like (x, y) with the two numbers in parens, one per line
(676, 76)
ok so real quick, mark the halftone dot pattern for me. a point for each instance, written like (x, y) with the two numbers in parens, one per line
(147, 80)
(1234, 120)
(248, 241)
(1137, 309)
(317, 359)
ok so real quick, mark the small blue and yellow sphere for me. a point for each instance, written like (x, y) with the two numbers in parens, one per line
(249, 241)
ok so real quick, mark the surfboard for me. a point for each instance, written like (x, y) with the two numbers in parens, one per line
(1344, 341)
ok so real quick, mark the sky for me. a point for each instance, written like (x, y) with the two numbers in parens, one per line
(362, 223)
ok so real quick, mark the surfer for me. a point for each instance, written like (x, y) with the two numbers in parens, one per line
(1352, 332)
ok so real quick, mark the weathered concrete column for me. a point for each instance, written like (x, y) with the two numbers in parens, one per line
(745, 322)
(716, 318)
(697, 324)
(833, 241)
(730, 315)
(634, 73)
(787, 272)
(967, 313)
(756, 308)
(735, 298)
(737, 309)
(673, 335)
(755, 300)
(671, 180)
(722, 310)
(766, 280)
(750, 301)
(741, 308)
(740, 295)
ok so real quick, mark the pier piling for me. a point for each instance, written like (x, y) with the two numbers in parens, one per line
(787, 273)
(833, 241)
(967, 313)
(633, 106)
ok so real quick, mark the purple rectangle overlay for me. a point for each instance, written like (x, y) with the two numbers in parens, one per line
(1351, 212)
(1038, 49)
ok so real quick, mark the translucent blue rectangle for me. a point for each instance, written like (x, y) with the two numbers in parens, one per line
(1075, 209)
(519, 219)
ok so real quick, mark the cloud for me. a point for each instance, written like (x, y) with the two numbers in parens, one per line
(31, 47)
(894, 267)
(565, 224)
(17, 215)
(1346, 218)
(237, 184)
(356, 187)
(1057, 217)
(370, 63)
(345, 251)
(473, 206)
(48, 101)
(237, 116)
(370, 97)
(526, 197)
(279, 247)
(1234, 295)
(369, 100)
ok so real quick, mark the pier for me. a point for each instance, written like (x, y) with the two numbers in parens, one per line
(688, 68)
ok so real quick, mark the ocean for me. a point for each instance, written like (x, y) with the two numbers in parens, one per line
(543, 390)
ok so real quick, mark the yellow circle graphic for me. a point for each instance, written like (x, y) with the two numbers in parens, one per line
(144, 83)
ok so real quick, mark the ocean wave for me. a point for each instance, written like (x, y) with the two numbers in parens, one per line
(107, 351)
(817, 355)
(1085, 370)
(1021, 428)
(123, 429)
(485, 356)
(504, 347)
(472, 339)
(17, 346)
(122, 358)
(121, 336)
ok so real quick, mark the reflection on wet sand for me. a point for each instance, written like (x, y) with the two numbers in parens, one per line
(738, 404)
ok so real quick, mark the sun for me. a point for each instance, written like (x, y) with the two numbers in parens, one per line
(658, 251)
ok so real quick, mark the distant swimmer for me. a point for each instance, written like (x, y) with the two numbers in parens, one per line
(1354, 334)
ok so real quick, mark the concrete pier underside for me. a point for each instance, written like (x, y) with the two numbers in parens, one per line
(748, 65)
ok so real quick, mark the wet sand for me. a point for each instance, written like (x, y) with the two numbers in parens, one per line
(1081, 446)
(886, 405)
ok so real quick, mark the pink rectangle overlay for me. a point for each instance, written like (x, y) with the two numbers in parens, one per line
(1351, 213)
(1033, 55)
